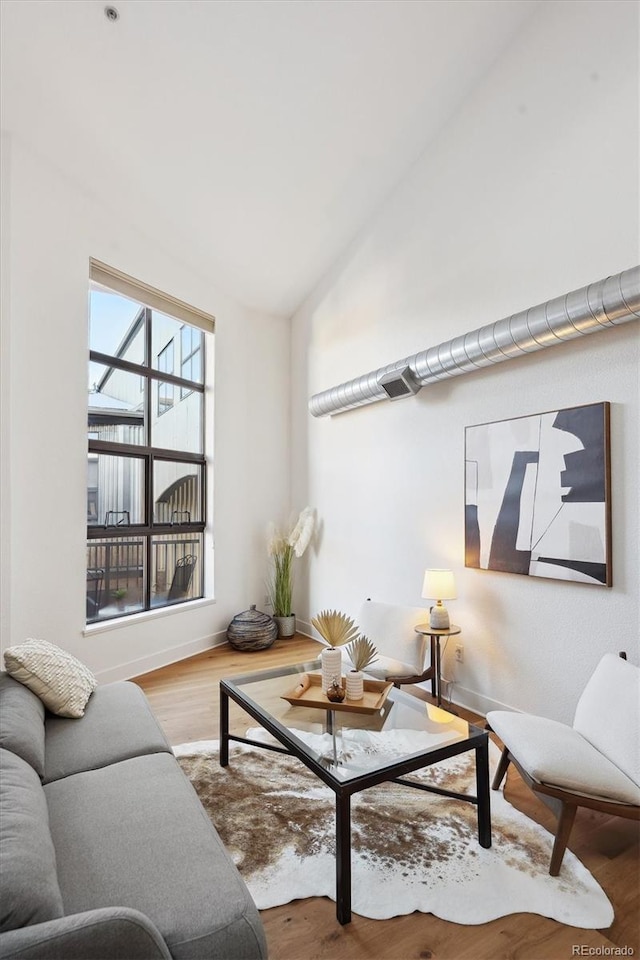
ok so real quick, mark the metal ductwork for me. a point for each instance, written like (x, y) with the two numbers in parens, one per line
(598, 306)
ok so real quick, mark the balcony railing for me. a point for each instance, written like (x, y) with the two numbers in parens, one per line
(116, 575)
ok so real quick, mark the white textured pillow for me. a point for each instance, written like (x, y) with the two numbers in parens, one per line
(63, 683)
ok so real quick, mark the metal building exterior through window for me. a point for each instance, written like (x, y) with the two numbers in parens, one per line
(146, 474)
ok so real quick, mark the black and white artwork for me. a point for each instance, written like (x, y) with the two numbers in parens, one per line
(537, 495)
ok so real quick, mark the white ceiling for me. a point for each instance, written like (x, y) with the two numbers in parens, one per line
(259, 135)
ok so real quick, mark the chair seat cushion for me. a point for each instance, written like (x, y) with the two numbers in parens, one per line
(557, 755)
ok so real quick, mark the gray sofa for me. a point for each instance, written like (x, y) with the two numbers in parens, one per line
(105, 849)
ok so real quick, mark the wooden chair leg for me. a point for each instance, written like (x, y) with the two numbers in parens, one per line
(565, 823)
(503, 764)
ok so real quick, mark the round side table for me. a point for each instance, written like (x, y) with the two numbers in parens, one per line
(428, 631)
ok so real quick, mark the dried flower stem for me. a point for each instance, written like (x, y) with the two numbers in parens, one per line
(282, 550)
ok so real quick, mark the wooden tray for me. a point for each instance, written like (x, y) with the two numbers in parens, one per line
(311, 695)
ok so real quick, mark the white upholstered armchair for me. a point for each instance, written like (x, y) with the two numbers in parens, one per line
(401, 651)
(595, 763)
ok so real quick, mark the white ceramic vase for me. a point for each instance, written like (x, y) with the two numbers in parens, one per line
(331, 659)
(355, 685)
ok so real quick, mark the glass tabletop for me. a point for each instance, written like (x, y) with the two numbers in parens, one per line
(346, 744)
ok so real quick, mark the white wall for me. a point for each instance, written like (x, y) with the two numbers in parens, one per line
(55, 225)
(530, 191)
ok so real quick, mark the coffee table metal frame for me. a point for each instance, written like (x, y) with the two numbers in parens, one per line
(478, 740)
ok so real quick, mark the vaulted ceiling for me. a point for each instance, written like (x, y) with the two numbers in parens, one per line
(257, 135)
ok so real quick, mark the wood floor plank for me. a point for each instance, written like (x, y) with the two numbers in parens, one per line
(185, 698)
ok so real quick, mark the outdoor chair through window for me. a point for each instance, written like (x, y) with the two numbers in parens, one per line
(182, 577)
(95, 579)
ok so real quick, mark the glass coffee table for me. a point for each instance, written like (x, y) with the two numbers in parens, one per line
(353, 750)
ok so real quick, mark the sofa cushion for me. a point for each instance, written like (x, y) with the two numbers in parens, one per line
(118, 724)
(555, 754)
(29, 890)
(22, 722)
(62, 682)
(134, 834)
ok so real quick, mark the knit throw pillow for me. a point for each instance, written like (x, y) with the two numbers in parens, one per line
(63, 683)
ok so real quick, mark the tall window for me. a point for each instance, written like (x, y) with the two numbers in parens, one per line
(146, 455)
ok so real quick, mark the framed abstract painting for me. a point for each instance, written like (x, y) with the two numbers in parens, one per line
(537, 495)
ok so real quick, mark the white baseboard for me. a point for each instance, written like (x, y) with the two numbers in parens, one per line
(472, 700)
(162, 658)
(304, 628)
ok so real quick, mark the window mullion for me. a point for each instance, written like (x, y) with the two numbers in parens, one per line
(147, 386)
(194, 385)
(98, 532)
(148, 460)
(117, 362)
(148, 490)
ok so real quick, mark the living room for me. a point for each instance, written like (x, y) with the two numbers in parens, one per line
(514, 187)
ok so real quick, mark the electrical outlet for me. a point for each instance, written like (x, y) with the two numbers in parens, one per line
(459, 652)
(267, 600)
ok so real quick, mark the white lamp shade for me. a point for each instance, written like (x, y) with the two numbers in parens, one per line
(439, 585)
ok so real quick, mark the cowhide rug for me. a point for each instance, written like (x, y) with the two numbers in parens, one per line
(410, 850)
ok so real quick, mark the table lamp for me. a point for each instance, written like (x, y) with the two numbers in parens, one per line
(439, 585)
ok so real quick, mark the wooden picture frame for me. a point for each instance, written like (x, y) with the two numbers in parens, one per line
(538, 495)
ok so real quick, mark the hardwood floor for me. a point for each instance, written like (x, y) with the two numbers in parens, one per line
(184, 697)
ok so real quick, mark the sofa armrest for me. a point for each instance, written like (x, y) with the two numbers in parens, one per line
(111, 932)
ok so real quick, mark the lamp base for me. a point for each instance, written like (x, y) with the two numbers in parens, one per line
(439, 617)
